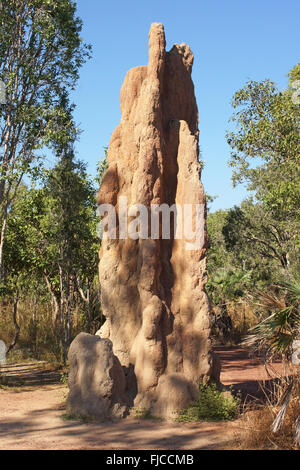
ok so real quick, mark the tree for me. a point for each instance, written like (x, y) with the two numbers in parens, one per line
(101, 168)
(267, 129)
(69, 228)
(18, 268)
(40, 55)
(259, 240)
(218, 255)
(52, 241)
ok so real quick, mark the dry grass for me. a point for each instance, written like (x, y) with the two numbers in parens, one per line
(38, 339)
(255, 424)
(243, 316)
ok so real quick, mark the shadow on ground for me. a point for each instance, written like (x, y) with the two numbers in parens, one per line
(247, 374)
(32, 431)
(28, 374)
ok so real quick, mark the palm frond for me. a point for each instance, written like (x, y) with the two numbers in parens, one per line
(271, 301)
(297, 431)
(279, 420)
(294, 288)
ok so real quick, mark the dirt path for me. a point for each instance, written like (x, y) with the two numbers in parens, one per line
(244, 372)
(29, 374)
(31, 416)
(31, 419)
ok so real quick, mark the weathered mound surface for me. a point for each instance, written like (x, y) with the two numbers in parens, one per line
(96, 380)
(153, 291)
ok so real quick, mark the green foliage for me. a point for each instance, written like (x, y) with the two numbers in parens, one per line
(266, 156)
(55, 223)
(218, 255)
(267, 123)
(257, 244)
(212, 404)
(228, 285)
(51, 238)
(64, 378)
(209, 200)
(277, 332)
(41, 53)
(101, 168)
(266, 241)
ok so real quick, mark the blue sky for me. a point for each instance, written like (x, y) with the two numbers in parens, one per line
(232, 41)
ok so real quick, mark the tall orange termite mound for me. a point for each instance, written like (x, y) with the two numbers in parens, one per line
(153, 290)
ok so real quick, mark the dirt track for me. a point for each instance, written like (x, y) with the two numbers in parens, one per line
(31, 416)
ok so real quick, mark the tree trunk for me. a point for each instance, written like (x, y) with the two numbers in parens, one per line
(62, 315)
(3, 231)
(86, 299)
(68, 316)
(15, 312)
(54, 301)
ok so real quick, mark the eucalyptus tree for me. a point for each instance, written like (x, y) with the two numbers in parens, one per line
(266, 156)
(20, 276)
(41, 52)
(70, 218)
(266, 143)
(52, 244)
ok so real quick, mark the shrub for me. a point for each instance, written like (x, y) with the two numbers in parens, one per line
(213, 404)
